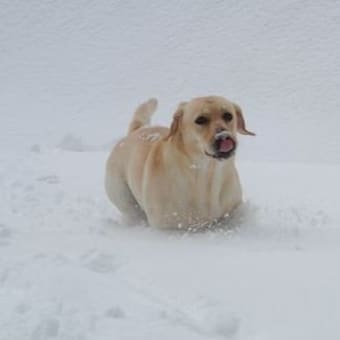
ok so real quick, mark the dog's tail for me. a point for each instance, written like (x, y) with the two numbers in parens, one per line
(143, 114)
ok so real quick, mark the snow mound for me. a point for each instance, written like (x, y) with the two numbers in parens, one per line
(76, 144)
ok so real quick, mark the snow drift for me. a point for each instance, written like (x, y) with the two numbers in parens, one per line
(71, 75)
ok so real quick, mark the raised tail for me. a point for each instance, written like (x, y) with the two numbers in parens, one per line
(143, 114)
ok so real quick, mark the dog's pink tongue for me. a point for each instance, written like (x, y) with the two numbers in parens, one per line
(226, 145)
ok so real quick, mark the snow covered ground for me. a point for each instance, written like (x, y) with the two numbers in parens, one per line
(64, 64)
(70, 270)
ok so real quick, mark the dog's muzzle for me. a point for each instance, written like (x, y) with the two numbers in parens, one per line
(223, 146)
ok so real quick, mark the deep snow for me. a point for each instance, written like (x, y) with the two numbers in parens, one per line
(71, 74)
(65, 64)
(70, 270)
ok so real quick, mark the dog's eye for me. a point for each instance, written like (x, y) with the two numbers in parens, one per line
(227, 116)
(201, 120)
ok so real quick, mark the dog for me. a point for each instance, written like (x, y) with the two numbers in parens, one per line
(183, 176)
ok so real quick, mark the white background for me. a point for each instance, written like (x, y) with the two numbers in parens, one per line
(71, 74)
(81, 67)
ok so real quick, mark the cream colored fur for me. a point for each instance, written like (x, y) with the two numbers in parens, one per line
(166, 176)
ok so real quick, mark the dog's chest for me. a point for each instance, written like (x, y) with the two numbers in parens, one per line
(201, 194)
(193, 195)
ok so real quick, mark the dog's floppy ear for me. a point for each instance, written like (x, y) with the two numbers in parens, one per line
(176, 120)
(241, 125)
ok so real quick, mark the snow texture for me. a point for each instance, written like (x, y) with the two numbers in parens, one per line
(65, 65)
(71, 75)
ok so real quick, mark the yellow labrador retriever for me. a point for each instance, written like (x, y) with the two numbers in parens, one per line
(180, 177)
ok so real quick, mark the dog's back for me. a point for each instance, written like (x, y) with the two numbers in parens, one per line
(125, 166)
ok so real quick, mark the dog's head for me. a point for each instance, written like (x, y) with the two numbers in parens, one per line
(208, 126)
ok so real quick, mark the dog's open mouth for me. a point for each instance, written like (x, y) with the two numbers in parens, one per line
(224, 147)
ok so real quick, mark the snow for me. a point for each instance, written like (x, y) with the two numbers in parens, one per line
(71, 76)
(65, 66)
(70, 270)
